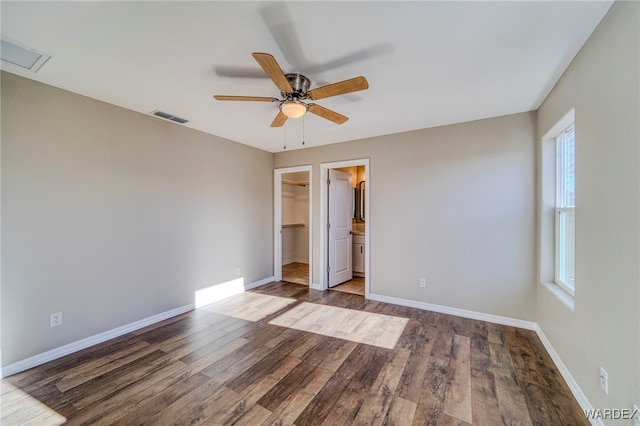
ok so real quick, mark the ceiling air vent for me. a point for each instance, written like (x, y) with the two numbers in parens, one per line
(22, 55)
(169, 117)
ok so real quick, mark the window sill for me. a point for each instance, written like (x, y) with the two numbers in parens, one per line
(564, 297)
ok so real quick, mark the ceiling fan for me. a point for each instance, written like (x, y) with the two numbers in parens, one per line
(294, 89)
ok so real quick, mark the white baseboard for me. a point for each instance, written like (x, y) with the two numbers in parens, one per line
(496, 319)
(528, 325)
(70, 348)
(61, 351)
(295, 260)
(315, 286)
(67, 349)
(259, 283)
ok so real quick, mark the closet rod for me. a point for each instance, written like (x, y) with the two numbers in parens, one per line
(292, 182)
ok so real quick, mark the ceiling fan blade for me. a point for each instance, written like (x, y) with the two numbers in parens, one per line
(279, 120)
(327, 113)
(245, 98)
(359, 55)
(273, 70)
(340, 88)
(238, 72)
(278, 20)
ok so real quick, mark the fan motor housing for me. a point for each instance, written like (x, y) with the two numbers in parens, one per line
(300, 84)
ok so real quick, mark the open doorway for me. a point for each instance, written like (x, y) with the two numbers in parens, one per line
(359, 220)
(292, 222)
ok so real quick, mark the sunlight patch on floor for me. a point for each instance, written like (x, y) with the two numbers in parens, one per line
(249, 306)
(217, 292)
(18, 408)
(348, 324)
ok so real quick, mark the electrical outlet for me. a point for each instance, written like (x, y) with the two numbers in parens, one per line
(636, 415)
(423, 282)
(604, 381)
(237, 271)
(56, 319)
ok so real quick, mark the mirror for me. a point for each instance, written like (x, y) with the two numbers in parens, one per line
(360, 213)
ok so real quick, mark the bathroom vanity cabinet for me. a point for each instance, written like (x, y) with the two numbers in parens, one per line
(358, 255)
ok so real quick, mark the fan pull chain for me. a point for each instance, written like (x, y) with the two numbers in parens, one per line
(284, 132)
(303, 130)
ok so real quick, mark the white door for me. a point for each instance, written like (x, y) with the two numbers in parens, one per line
(340, 212)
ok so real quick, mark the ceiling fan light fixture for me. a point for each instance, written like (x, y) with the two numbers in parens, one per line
(293, 109)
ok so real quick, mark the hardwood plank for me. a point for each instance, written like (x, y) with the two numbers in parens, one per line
(511, 398)
(547, 394)
(90, 370)
(212, 409)
(106, 384)
(484, 401)
(494, 333)
(18, 408)
(195, 345)
(410, 335)
(379, 397)
(291, 407)
(172, 331)
(414, 373)
(429, 410)
(254, 416)
(292, 382)
(355, 367)
(204, 367)
(458, 400)
(333, 355)
(236, 363)
(189, 406)
(249, 306)
(524, 362)
(352, 398)
(148, 411)
(310, 344)
(444, 339)
(259, 370)
(217, 354)
(219, 340)
(119, 404)
(89, 354)
(247, 399)
(401, 412)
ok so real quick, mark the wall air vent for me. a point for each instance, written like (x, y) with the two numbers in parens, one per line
(169, 117)
(22, 55)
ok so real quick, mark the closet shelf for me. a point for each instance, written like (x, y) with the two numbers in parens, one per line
(294, 225)
(293, 182)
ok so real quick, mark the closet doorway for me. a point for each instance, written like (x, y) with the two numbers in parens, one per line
(292, 223)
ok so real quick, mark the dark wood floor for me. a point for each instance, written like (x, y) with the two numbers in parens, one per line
(203, 367)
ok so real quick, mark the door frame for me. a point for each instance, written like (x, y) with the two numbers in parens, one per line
(324, 217)
(335, 215)
(277, 219)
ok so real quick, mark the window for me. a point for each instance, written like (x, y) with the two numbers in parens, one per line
(565, 222)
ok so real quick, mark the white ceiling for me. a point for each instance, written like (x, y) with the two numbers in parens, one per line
(427, 63)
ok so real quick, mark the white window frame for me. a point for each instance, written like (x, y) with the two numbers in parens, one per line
(563, 211)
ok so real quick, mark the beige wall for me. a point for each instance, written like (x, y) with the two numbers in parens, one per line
(111, 216)
(604, 329)
(454, 204)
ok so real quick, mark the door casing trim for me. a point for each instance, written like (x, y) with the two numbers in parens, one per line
(324, 217)
(277, 219)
